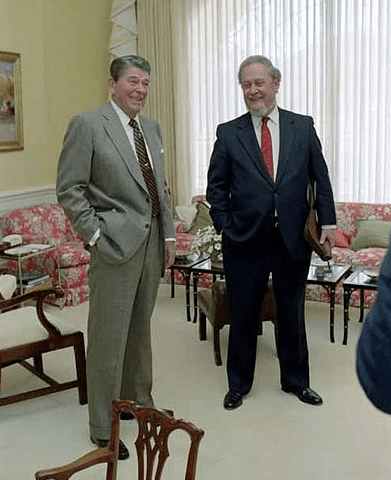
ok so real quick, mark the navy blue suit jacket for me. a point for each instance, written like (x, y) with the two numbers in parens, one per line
(374, 346)
(244, 198)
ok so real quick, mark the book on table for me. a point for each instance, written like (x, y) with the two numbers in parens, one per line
(32, 279)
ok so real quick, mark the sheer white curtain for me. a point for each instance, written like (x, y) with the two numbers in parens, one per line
(335, 59)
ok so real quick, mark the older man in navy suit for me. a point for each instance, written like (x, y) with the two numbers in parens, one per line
(111, 183)
(258, 176)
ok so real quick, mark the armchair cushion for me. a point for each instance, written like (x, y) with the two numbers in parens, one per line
(22, 326)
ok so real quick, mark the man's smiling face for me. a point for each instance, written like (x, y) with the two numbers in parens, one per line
(259, 89)
(130, 91)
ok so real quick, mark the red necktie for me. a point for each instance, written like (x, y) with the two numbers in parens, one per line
(267, 149)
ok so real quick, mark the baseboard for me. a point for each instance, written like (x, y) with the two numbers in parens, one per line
(13, 199)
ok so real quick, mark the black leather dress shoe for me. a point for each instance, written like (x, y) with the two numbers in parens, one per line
(123, 452)
(126, 415)
(306, 395)
(233, 400)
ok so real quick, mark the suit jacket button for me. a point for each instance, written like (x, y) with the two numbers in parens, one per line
(147, 226)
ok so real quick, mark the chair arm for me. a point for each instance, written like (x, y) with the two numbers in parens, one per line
(38, 296)
(99, 455)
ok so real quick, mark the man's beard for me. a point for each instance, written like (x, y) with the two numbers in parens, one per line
(262, 112)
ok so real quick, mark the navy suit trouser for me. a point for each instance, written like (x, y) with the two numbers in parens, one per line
(247, 269)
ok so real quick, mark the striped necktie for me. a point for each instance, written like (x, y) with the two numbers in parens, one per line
(266, 146)
(145, 165)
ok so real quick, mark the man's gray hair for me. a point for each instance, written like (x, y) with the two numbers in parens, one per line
(273, 71)
(120, 64)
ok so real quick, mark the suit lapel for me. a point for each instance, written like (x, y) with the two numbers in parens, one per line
(117, 134)
(153, 145)
(287, 139)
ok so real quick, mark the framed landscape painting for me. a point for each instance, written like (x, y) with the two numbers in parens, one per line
(11, 119)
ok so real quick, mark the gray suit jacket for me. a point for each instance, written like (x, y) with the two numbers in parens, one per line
(100, 183)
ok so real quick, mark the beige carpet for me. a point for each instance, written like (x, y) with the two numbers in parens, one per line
(272, 436)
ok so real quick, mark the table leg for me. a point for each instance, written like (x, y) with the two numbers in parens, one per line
(332, 313)
(362, 309)
(187, 280)
(195, 290)
(346, 298)
(172, 282)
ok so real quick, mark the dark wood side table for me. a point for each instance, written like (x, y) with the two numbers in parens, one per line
(184, 265)
(206, 266)
(329, 280)
(358, 280)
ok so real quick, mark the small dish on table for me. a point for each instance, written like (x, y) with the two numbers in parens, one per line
(372, 273)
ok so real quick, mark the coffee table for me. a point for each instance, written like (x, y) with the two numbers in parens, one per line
(329, 279)
(358, 280)
(184, 264)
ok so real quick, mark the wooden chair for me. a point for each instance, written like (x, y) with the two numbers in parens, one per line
(213, 304)
(27, 333)
(154, 429)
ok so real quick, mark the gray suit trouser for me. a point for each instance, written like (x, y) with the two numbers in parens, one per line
(119, 353)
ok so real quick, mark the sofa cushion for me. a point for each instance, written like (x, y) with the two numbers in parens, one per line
(202, 218)
(72, 254)
(371, 233)
(73, 277)
(186, 213)
(369, 257)
(341, 239)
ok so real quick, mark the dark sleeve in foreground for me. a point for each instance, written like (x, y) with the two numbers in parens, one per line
(373, 361)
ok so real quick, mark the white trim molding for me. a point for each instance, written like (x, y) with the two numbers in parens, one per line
(13, 199)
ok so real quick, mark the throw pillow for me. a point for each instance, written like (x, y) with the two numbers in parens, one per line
(202, 218)
(371, 233)
(186, 213)
(340, 239)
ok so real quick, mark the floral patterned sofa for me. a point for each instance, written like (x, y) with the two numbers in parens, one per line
(47, 223)
(361, 239)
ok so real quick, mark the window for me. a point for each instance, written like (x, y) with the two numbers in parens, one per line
(335, 59)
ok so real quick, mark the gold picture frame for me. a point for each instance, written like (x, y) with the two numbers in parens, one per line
(11, 118)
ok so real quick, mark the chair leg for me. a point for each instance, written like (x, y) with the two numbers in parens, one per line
(216, 344)
(38, 362)
(80, 361)
(202, 325)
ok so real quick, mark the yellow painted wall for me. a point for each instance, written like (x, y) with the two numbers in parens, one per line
(64, 56)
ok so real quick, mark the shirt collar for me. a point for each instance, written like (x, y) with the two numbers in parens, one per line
(273, 116)
(122, 115)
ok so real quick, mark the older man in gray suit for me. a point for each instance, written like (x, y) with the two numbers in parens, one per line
(111, 184)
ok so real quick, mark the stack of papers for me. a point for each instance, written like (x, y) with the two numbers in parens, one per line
(25, 249)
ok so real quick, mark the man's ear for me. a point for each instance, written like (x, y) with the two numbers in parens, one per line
(112, 83)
